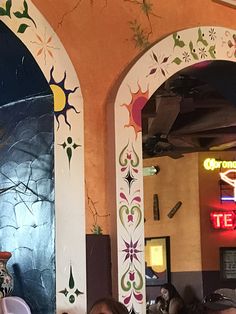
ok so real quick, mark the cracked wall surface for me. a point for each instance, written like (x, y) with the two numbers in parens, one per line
(27, 216)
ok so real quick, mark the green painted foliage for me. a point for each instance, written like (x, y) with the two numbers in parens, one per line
(140, 37)
(7, 10)
(177, 61)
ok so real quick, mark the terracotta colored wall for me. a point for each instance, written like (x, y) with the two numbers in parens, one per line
(99, 41)
(176, 181)
(212, 239)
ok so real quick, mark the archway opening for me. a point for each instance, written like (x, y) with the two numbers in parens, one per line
(27, 212)
(172, 54)
(190, 117)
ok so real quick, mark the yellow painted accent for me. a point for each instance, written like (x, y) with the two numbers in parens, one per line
(59, 97)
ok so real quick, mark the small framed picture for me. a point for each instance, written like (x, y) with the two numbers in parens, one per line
(157, 261)
(228, 263)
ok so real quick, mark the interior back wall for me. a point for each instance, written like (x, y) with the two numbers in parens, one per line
(177, 181)
(211, 239)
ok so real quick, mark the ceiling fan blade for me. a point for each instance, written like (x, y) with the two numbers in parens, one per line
(167, 110)
(224, 146)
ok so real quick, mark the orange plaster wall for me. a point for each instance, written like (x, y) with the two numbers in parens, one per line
(176, 181)
(212, 239)
(99, 41)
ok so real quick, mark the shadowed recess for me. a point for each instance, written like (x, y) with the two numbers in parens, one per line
(27, 216)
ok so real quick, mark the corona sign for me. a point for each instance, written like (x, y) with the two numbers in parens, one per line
(212, 164)
(224, 220)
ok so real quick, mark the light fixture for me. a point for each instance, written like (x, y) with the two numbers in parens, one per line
(151, 171)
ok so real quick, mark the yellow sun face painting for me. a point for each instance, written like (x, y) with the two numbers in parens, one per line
(61, 98)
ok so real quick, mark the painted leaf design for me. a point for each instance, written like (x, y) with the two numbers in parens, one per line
(50, 53)
(122, 195)
(191, 45)
(126, 285)
(39, 38)
(69, 153)
(7, 10)
(195, 56)
(165, 59)
(127, 299)
(192, 51)
(138, 296)
(152, 71)
(49, 40)
(212, 51)
(163, 72)
(40, 51)
(71, 279)
(177, 41)
(181, 44)
(177, 61)
(201, 39)
(8, 7)
(137, 199)
(136, 285)
(25, 6)
(2, 12)
(123, 211)
(22, 28)
(24, 14)
(18, 14)
(154, 57)
(230, 44)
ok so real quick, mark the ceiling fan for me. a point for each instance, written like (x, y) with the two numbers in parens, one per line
(223, 146)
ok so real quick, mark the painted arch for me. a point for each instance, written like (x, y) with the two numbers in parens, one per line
(23, 19)
(177, 51)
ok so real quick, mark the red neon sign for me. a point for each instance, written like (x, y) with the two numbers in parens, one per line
(224, 220)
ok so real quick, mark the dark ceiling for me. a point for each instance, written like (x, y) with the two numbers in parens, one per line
(193, 111)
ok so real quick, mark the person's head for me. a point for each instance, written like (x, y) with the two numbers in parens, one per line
(108, 306)
(221, 301)
(168, 291)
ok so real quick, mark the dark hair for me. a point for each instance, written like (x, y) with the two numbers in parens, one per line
(161, 300)
(113, 305)
(172, 290)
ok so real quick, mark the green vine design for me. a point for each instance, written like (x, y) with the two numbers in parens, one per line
(141, 36)
(203, 51)
(18, 14)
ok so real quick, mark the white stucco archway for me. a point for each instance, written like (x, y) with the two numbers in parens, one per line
(177, 51)
(26, 22)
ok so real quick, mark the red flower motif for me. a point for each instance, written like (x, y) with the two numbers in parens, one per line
(129, 156)
(131, 275)
(130, 218)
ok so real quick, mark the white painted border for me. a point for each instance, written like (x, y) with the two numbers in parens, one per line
(69, 182)
(164, 59)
